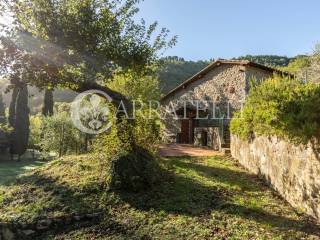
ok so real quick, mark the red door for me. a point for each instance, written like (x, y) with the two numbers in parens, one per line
(185, 131)
(187, 126)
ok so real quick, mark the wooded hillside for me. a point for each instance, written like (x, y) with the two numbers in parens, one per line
(175, 69)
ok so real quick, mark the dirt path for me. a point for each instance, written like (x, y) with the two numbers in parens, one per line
(180, 150)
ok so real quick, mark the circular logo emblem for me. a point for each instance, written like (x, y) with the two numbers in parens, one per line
(90, 112)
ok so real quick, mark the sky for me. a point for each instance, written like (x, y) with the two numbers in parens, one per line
(229, 28)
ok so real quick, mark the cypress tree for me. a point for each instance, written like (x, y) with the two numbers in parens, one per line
(12, 107)
(2, 111)
(21, 124)
(47, 109)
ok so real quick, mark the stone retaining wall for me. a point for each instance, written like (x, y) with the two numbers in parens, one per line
(293, 171)
(17, 231)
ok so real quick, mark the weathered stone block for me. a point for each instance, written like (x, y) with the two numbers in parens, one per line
(293, 171)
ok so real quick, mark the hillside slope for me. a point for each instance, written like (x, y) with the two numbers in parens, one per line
(199, 198)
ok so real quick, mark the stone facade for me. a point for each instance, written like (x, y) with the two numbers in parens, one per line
(225, 86)
(211, 135)
(222, 84)
(293, 171)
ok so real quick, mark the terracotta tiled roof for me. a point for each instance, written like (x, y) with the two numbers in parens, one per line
(219, 62)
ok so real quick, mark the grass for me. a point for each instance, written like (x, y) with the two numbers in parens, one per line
(10, 169)
(198, 198)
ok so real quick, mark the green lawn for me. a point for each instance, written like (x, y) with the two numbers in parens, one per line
(10, 169)
(198, 198)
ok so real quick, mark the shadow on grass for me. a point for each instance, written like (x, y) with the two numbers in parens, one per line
(240, 179)
(183, 195)
(52, 196)
(177, 194)
(10, 170)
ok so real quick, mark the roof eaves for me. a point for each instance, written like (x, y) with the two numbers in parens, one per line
(218, 63)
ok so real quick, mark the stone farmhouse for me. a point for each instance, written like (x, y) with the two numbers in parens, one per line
(200, 108)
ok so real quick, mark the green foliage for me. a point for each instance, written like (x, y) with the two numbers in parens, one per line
(5, 133)
(146, 125)
(128, 151)
(136, 86)
(21, 124)
(56, 133)
(268, 60)
(59, 134)
(133, 170)
(144, 129)
(175, 70)
(199, 198)
(48, 103)
(78, 43)
(297, 64)
(36, 129)
(283, 107)
(12, 107)
(147, 129)
(2, 111)
(6, 128)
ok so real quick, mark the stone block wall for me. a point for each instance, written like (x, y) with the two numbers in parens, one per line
(293, 171)
(226, 85)
(213, 137)
(223, 84)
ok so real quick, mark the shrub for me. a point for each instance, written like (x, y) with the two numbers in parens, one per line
(133, 170)
(128, 151)
(5, 133)
(283, 107)
(36, 127)
(60, 135)
(56, 133)
(20, 134)
(3, 119)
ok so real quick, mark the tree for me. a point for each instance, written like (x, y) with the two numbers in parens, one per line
(21, 123)
(267, 60)
(174, 70)
(136, 87)
(2, 111)
(60, 135)
(12, 107)
(312, 71)
(306, 67)
(47, 109)
(78, 44)
(298, 65)
(36, 132)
